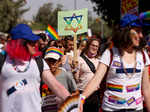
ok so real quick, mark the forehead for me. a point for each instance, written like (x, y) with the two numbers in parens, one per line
(51, 60)
(95, 42)
(138, 29)
(70, 41)
(40, 40)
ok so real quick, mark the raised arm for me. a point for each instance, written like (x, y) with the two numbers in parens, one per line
(94, 83)
(54, 85)
(146, 87)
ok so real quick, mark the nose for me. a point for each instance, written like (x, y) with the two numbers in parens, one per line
(140, 34)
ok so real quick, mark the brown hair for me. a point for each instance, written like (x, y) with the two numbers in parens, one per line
(121, 39)
(85, 50)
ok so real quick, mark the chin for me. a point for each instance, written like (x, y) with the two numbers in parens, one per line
(52, 71)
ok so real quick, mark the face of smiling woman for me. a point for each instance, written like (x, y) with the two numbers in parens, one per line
(135, 37)
(93, 48)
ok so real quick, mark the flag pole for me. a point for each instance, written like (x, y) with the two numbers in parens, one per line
(75, 4)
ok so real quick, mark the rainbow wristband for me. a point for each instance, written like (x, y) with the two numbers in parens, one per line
(82, 99)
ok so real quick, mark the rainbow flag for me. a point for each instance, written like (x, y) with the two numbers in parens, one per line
(83, 38)
(145, 15)
(113, 87)
(51, 33)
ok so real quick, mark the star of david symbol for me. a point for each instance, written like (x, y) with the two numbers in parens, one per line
(73, 23)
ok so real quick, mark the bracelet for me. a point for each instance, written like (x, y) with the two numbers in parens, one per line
(82, 98)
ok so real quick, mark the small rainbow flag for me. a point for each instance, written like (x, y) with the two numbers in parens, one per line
(83, 38)
(51, 33)
(145, 15)
(55, 50)
(113, 87)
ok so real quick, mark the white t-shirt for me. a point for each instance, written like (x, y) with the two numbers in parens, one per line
(123, 92)
(26, 97)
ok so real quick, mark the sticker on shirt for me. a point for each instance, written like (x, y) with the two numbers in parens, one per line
(130, 101)
(20, 84)
(114, 87)
(132, 88)
(128, 70)
(139, 100)
(116, 100)
(116, 64)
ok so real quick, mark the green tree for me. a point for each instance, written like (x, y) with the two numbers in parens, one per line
(98, 26)
(108, 9)
(47, 15)
(10, 13)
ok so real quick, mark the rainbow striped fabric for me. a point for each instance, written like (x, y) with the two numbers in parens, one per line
(55, 50)
(116, 100)
(113, 87)
(83, 38)
(145, 15)
(132, 88)
(51, 33)
(70, 104)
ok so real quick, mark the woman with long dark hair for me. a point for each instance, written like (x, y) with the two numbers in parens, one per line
(127, 77)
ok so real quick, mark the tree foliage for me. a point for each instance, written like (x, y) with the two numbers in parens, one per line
(98, 27)
(10, 13)
(47, 15)
(110, 9)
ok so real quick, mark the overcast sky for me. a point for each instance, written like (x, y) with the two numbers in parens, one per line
(68, 5)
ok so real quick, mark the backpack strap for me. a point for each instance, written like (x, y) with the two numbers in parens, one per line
(144, 58)
(40, 64)
(2, 60)
(111, 56)
(89, 63)
(38, 60)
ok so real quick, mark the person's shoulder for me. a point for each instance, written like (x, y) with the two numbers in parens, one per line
(107, 51)
(66, 74)
(110, 52)
(63, 71)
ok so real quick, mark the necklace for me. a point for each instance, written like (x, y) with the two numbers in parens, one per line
(16, 68)
(125, 69)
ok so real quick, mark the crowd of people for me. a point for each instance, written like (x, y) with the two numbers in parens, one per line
(37, 74)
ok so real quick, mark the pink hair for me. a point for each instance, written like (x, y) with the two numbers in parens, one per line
(16, 50)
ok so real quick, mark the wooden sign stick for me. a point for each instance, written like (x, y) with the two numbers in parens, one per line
(75, 48)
